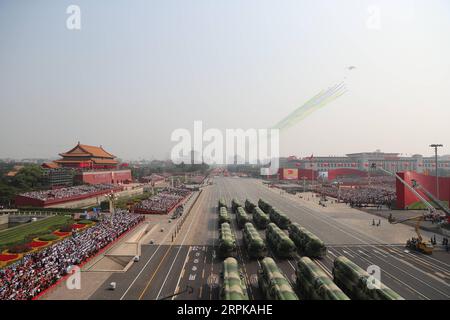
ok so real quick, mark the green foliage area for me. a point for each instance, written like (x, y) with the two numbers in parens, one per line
(85, 222)
(123, 202)
(26, 232)
(27, 179)
(48, 237)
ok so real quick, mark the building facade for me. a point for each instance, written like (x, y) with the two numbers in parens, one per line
(357, 162)
(90, 164)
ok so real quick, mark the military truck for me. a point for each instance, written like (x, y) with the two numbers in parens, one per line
(279, 218)
(227, 241)
(256, 248)
(313, 283)
(224, 216)
(249, 206)
(265, 206)
(279, 241)
(358, 284)
(260, 219)
(235, 204)
(273, 283)
(241, 217)
(308, 243)
(221, 203)
(233, 284)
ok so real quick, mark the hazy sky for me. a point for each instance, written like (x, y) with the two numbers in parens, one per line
(137, 70)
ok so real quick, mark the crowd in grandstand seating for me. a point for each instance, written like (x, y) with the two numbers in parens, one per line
(380, 192)
(196, 179)
(67, 192)
(165, 200)
(37, 271)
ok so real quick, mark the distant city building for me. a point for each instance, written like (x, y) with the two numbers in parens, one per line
(14, 171)
(358, 164)
(361, 161)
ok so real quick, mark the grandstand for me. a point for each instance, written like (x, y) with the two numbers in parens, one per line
(162, 203)
(46, 198)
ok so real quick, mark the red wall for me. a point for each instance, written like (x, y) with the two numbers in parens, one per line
(122, 176)
(405, 197)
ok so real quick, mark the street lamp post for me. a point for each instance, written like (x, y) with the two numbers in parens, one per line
(436, 146)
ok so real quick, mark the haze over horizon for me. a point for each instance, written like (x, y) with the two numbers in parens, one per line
(132, 75)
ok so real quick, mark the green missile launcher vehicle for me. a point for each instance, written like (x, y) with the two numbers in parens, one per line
(255, 245)
(233, 284)
(307, 242)
(279, 218)
(314, 284)
(227, 241)
(249, 206)
(358, 284)
(279, 241)
(260, 219)
(241, 217)
(273, 283)
(266, 207)
(224, 216)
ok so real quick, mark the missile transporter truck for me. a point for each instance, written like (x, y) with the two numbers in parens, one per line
(241, 217)
(313, 283)
(308, 243)
(260, 219)
(255, 245)
(221, 203)
(235, 204)
(227, 242)
(279, 218)
(233, 285)
(279, 241)
(249, 206)
(273, 283)
(358, 284)
(266, 207)
(224, 216)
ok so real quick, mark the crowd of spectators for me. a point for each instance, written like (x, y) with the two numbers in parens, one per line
(68, 192)
(37, 271)
(164, 201)
(379, 192)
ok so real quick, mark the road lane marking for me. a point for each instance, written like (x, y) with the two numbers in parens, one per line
(154, 273)
(347, 253)
(194, 218)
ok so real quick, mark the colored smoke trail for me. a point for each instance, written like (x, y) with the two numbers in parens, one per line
(315, 103)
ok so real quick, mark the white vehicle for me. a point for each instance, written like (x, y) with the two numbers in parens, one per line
(112, 286)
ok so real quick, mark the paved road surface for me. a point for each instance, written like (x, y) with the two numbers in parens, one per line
(169, 268)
